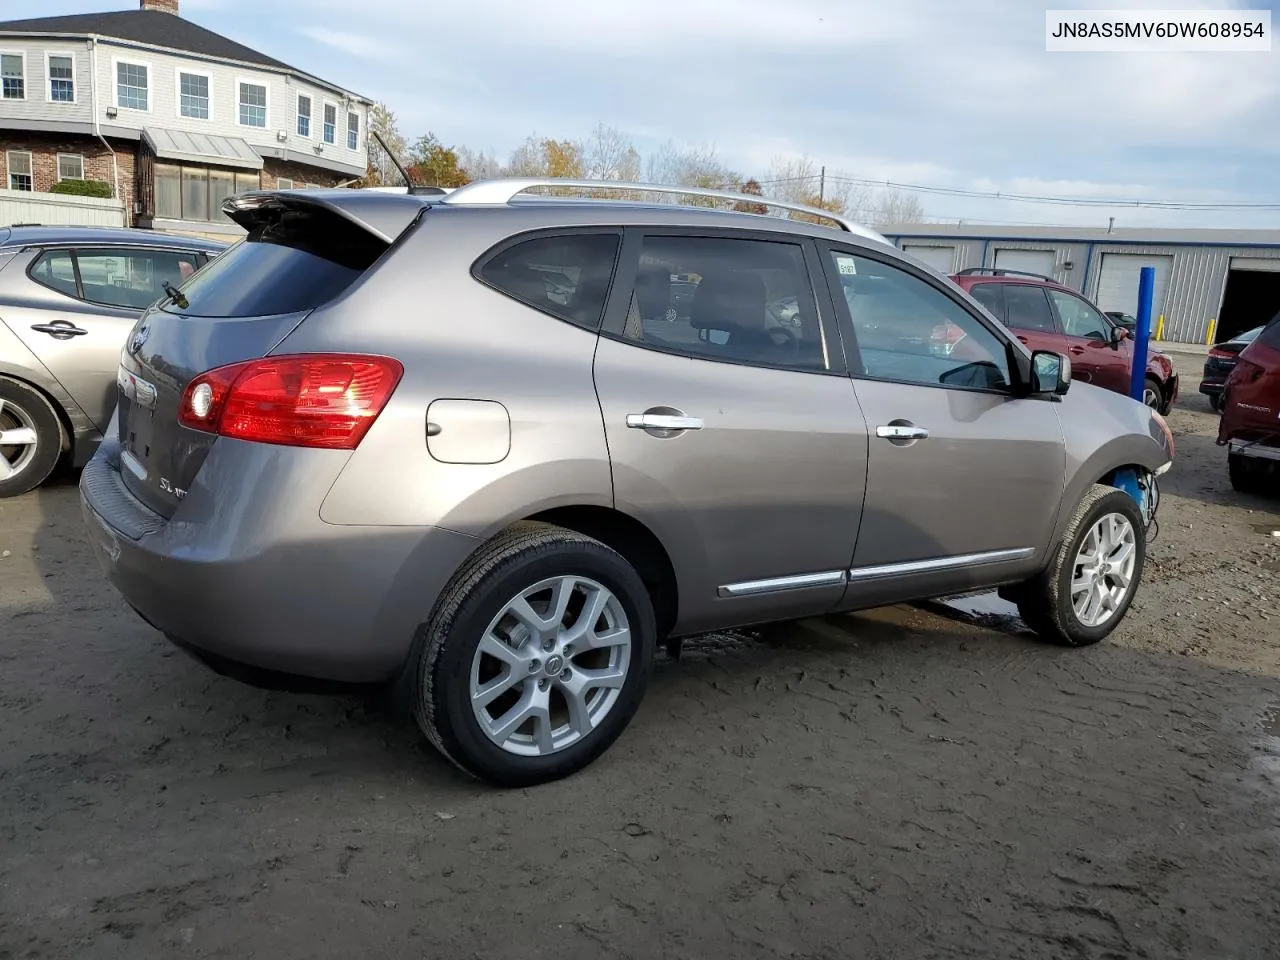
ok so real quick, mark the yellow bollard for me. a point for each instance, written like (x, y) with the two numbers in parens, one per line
(1160, 328)
(1213, 326)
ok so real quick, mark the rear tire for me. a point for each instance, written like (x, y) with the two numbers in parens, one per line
(1247, 476)
(30, 422)
(1079, 598)
(1215, 402)
(1153, 394)
(579, 683)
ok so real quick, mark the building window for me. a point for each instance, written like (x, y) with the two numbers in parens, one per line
(184, 192)
(353, 131)
(62, 78)
(19, 164)
(304, 116)
(284, 183)
(330, 123)
(193, 95)
(253, 104)
(13, 75)
(133, 86)
(70, 166)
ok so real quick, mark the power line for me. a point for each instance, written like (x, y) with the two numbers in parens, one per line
(1032, 198)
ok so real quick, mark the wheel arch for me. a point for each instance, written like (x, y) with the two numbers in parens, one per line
(65, 424)
(641, 547)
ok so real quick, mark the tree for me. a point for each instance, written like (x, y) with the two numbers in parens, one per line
(894, 207)
(753, 188)
(692, 165)
(479, 165)
(436, 165)
(382, 171)
(562, 158)
(608, 154)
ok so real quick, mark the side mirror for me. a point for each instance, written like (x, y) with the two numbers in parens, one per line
(1050, 373)
(1119, 335)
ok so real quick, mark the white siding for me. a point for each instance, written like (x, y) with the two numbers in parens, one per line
(37, 105)
(19, 206)
(224, 107)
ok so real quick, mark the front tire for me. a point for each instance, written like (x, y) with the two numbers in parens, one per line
(1088, 586)
(1152, 394)
(30, 438)
(536, 657)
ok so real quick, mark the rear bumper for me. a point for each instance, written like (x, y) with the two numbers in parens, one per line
(274, 588)
(1258, 451)
(1212, 388)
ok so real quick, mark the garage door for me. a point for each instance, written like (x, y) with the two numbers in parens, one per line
(940, 258)
(1118, 282)
(1263, 264)
(1039, 262)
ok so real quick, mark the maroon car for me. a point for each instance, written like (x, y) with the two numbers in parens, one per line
(1045, 315)
(1250, 426)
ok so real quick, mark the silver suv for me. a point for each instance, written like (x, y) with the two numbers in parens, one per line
(495, 448)
(68, 298)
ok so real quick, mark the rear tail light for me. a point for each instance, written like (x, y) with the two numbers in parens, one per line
(1217, 354)
(308, 400)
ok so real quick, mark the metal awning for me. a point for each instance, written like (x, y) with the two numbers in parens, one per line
(202, 148)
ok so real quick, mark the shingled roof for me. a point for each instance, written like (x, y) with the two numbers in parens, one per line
(151, 27)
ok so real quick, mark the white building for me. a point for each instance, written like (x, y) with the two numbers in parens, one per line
(170, 117)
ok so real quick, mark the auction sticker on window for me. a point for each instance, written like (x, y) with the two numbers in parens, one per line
(1157, 31)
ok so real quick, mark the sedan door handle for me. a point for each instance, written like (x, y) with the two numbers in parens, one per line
(898, 431)
(662, 421)
(60, 329)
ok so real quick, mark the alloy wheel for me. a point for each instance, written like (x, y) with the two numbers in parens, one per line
(18, 439)
(550, 666)
(1102, 575)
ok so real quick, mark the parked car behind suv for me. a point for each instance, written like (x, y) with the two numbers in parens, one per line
(68, 298)
(1220, 362)
(1250, 425)
(475, 448)
(1046, 315)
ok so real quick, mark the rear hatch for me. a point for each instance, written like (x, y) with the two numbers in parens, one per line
(302, 250)
(1252, 408)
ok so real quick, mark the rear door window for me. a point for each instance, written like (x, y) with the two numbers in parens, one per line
(566, 276)
(1027, 308)
(1078, 318)
(293, 263)
(991, 296)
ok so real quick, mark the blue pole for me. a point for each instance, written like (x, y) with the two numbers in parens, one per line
(1141, 336)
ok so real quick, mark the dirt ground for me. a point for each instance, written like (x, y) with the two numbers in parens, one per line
(905, 783)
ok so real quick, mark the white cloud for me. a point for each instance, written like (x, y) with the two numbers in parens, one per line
(352, 43)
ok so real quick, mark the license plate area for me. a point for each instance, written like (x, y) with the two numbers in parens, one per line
(137, 416)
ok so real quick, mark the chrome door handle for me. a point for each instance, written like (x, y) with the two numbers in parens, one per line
(662, 421)
(900, 432)
(60, 329)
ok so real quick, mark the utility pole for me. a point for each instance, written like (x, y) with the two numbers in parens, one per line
(822, 185)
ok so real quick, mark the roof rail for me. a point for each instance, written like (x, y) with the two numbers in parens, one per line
(1002, 272)
(502, 191)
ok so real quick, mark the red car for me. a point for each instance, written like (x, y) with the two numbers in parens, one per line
(1045, 315)
(1250, 425)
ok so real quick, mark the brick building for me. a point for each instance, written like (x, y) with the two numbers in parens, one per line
(171, 116)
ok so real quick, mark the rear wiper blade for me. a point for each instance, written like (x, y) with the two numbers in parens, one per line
(175, 295)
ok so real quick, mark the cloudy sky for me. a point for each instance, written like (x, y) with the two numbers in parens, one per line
(956, 94)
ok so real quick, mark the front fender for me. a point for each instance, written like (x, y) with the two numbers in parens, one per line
(1104, 431)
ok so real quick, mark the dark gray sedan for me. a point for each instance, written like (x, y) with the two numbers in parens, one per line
(68, 299)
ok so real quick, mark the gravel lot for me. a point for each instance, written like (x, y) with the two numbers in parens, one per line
(912, 782)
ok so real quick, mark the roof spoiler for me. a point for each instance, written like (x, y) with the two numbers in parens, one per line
(384, 215)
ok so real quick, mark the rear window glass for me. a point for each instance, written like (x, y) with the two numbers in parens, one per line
(1270, 335)
(300, 260)
(56, 271)
(565, 276)
(991, 296)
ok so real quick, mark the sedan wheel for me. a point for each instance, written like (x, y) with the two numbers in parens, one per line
(1152, 395)
(30, 438)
